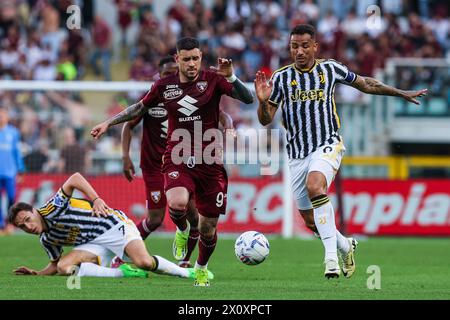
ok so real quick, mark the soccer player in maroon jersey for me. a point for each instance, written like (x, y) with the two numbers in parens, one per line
(191, 98)
(154, 140)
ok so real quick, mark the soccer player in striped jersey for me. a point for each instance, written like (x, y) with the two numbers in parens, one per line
(96, 231)
(305, 92)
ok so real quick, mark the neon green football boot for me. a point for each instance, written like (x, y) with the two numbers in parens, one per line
(193, 276)
(179, 248)
(201, 277)
(130, 272)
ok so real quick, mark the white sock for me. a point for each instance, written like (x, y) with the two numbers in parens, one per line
(169, 268)
(342, 243)
(325, 224)
(89, 269)
(198, 266)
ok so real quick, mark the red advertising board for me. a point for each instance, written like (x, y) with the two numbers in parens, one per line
(381, 207)
(413, 207)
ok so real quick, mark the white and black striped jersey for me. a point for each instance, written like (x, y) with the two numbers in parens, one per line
(308, 107)
(70, 223)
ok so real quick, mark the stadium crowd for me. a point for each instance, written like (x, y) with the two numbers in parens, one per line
(36, 45)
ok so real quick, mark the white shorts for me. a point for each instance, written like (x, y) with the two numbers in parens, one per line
(327, 160)
(112, 243)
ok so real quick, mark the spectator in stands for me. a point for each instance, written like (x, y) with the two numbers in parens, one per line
(124, 18)
(78, 112)
(73, 156)
(101, 38)
(38, 160)
(45, 69)
(11, 162)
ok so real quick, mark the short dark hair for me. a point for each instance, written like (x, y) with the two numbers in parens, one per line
(16, 208)
(187, 43)
(303, 29)
(166, 59)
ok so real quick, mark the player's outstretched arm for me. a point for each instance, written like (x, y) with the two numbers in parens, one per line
(132, 112)
(374, 86)
(266, 110)
(239, 91)
(49, 270)
(128, 167)
(77, 181)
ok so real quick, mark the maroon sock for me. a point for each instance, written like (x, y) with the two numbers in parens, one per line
(205, 249)
(143, 228)
(192, 242)
(179, 218)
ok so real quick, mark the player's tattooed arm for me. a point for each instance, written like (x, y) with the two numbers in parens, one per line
(241, 92)
(374, 86)
(266, 112)
(132, 112)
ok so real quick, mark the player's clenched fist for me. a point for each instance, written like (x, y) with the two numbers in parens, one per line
(99, 130)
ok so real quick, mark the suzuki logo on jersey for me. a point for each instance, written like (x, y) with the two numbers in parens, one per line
(188, 108)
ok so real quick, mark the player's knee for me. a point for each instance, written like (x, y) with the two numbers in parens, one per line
(315, 188)
(178, 204)
(145, 263)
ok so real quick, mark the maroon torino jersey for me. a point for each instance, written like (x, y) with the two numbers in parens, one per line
(189, 103)
(154, 137)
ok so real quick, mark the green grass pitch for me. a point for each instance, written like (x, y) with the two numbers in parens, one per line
(411, 268)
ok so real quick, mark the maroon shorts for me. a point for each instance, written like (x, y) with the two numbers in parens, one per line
(154, 189)
(209, 186)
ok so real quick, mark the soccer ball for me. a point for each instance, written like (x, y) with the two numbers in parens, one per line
(251, 248)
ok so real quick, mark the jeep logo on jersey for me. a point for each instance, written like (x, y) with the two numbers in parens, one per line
(174, 174)
(157, 112)
(172, 94)
(202, 85)
(188, 107)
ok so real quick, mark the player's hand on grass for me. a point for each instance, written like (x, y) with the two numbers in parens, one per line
(99, 208)
(128, 168)
(99, 130)
(262, 87)
(24, 271)
(412, 95)
(224, 67)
